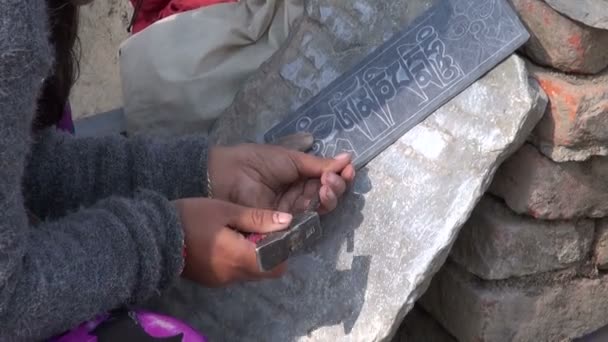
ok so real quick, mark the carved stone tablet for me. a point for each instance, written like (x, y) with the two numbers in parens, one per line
(407, 78)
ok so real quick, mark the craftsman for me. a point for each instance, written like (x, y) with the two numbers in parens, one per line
(88, 225)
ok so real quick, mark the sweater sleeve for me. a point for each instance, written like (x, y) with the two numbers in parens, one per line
(65, 172)
(59, 273)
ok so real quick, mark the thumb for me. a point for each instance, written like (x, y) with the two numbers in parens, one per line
(298, 142)
(256, 220)
(311, 166)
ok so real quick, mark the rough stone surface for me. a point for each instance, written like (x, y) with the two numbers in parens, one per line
(331, 39)
(532, 184)
(591, 12)
(419, 326)
(559, 42)
(497, 244)
(600, 254)
(394, 229)
(531, 309)
(103, 26)
(575, 126)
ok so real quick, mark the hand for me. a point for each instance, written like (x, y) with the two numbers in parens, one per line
(269, 176)
(216, 253)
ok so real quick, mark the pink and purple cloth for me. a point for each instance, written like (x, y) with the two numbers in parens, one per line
(132, 326)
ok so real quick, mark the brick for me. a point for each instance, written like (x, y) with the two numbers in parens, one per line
(542, 308)
(600, 253)
(532, 184)
(496, 243)
(590, 12)
(575, 125)
(560, 42)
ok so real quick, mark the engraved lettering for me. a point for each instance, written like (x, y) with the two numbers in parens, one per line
(342, 106)
(403, 78)
(424, 74)
(377, 80)
(434, 49)
(364, 102)
(385, 83)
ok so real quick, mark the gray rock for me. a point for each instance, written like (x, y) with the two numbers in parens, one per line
(534, 185)
(325, 44)
(590, 12)
(496, 243)
(419, 326)
(548, 307)
(600, 253)
(394, 230)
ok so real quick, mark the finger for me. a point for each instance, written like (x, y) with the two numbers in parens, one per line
(329, 201)
(301, 141)
(311, 189)
(244, 259)
(349, 175)
(335, 182)
(256, 220)
(310, 166)
(288, 200)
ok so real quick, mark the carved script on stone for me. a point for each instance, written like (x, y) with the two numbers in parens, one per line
(412, 74)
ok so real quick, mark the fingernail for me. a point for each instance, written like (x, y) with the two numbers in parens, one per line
(328, 193)
(333, 178)
(342, 156)
(282, 218)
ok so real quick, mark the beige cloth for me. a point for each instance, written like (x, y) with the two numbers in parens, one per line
(181, 72)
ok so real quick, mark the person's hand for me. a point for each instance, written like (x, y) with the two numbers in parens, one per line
(270, 176)
(216, 253)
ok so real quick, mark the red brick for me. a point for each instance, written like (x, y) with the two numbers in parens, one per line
(532, 184)
(575, 125)
(560, 42)
(548, 307)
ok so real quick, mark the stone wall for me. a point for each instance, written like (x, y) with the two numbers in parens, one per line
(103, 26)
(530, 263)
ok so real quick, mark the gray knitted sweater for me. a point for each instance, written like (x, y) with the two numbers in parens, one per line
(109, 236)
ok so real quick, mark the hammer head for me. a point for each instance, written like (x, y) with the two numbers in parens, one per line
(275, 248)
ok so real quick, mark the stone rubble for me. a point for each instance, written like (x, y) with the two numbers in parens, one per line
(419, 326)
(498, 244)
(534, 185)
(531, 262)
(541, 308)
(600, 249)
(590, 12)
(575, 126)
(559, 42)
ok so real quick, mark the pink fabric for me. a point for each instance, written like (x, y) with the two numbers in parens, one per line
(153, 10)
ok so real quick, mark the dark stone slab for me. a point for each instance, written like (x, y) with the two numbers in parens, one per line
(407, 78)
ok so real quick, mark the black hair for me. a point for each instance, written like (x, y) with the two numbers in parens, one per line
(63, 25)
